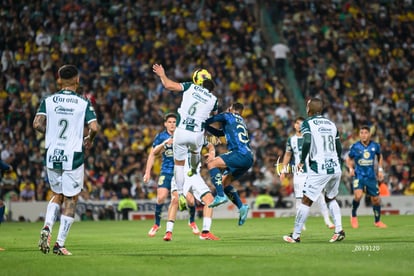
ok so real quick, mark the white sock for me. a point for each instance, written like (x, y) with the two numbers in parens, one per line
(324, 210)
(194, 160)
(207, 224)
(65, 224)
(298, 202)
(169, 226)
(52, 212)
(301, 217)
(336, 214)
(179, 178)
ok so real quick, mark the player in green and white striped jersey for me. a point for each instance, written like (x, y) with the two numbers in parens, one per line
(322, 151)
(62, 118)
(292, 156)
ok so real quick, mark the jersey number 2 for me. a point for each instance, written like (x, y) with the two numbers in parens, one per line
(64, 125)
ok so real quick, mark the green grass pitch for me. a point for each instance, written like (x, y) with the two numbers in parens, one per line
(256, 248)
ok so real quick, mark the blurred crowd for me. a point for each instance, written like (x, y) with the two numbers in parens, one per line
(357, 56)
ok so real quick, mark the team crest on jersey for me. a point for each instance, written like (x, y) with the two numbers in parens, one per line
(366, 154)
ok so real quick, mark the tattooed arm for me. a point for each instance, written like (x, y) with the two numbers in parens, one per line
(39, 123)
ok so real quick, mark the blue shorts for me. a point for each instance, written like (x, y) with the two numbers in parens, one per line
(237, 163)
(370, 185)
(164, 181)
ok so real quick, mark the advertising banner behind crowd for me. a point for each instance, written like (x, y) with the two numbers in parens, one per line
(33, 211)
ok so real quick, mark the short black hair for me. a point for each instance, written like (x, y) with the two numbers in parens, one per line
(208, 84)
(366, 127)
(300, 118)
(238, 107)
(170, 115)
(68, 72)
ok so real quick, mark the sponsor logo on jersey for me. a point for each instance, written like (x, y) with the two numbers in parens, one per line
(324, 130)
(321, 122)
(365, 162)
(169, 151)
(64, 110)
(58, 156)
(60, 99)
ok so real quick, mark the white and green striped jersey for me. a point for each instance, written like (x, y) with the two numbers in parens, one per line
(196, 106)
(294, 146)
(66, 115)
(323, 156)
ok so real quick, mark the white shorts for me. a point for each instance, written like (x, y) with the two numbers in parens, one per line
(298, 184)
(194, 184)
(185, 141)
(315, 183)
(68, 183)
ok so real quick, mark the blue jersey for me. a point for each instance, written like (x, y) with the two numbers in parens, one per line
(364, 158)
(167, 166)
(235, 130)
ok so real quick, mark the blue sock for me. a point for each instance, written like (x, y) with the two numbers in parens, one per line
(233, 195)
(158, 210)
(355, 205)
(377, 212)
(216, 176)
(192, 211)
(2, 210)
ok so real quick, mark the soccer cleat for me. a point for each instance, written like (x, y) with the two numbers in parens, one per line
(354, 222)
(60, 250)
(44, 242)
(194, 227)
(208, 236)
(218, 200)
(168, 236)
(338, 236)
(192, 172)
(244, 210)
(289, 238)
(380, 224)
(154, 229)
(331, 226)
(182, 203)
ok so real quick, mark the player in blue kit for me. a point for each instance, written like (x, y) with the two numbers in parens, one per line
(233, 164)
(162, 145)
(361, 164)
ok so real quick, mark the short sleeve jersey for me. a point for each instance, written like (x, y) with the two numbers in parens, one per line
(196, 106)
(364, 157)
(235, 131)
(167, 166)
(294, 146)
(66, 115)
(323, 157)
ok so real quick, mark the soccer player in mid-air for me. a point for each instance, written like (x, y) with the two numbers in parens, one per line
(197, 104)
(233, 164)
(361, 164)
(321, 149)
(162, 145)
(62, 118)
(292, 153)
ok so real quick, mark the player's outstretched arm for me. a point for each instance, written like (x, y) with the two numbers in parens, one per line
(169, 84)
